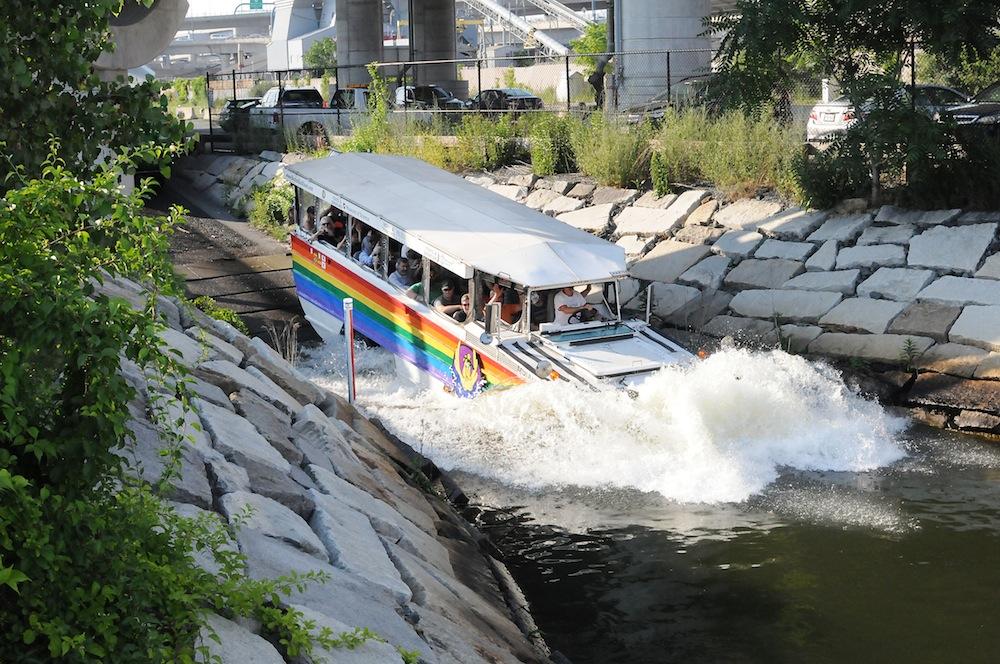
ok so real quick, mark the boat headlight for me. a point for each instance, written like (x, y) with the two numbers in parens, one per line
(543, 369)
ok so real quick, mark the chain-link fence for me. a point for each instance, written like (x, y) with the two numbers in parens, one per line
(273, 110)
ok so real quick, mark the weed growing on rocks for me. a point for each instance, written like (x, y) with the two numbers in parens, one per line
(271, 204)
(615, 154)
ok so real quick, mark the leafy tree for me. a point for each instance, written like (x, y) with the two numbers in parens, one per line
(971, 73)
(322, 54)
(864, 45)
(52, 90)
(593, 40)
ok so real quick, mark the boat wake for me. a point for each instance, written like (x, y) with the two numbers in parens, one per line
(719, 430)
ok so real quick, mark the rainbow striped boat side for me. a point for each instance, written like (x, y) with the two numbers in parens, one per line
(324, 281)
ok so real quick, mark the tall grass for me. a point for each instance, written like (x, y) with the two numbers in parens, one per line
(612, 152)
(551, 144)
(740, 154)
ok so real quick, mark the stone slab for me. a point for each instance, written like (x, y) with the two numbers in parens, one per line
(592, 219)
(891, 214)
(895, 283)
(737, 243)
(883, 348)
(272, 519)
(220, 348)
(958, 249)
(143, 459)
(796, 338)
(755, 273)
(277, 368)
(562, 204)
(482, 180)
(645, 221)
(824, 259)
(926, 319)
(793, 251)
(989, 368)
(699, 234)
(887, 235)
(272, 423)
(978, 326)
(990, 268)
(960, 291)
(785, 305)
(526, 180)
(978, 218)
(871, 256)
(635, 245)
(183, 348)
(842, 281)
(703, 213)
(746, 214)
(667, 299)
(750, 331)
(353, 544)
(238, 440)
(700, 310)
(667, 260)
(513, 192)
(613, 195)
(793, 224)
(231, 643)
(582, 190)
(862, 314)
(651, 200)
(973, 420)
(231, 378)
(687, 203)
(943, 391)
(270, 155)
(372, 651)
(841, 228)
(539, 198)
(275, 394)
(953, 359)
(707, 273)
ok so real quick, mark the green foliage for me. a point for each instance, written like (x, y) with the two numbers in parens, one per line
(551, 146)
(970, 73)
(272, 203)
(613, 153)
(510, 78)
(210, 307)
(593, 40)
(191, 91)
(51, 89)
(375, 132)
(322, 54)
(409, 656)
(485, 143)
(908, 355)
(738, 153)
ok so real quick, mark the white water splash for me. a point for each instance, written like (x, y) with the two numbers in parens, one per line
(718, 430)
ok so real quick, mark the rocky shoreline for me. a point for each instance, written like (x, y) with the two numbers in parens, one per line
(910, 297)
(303, 483)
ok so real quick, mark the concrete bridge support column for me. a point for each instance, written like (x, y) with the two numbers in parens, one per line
(433, 35)
(359, 38)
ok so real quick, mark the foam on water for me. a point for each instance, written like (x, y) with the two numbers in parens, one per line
(719, 430)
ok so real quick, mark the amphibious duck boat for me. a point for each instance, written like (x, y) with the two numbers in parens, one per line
(475, 304)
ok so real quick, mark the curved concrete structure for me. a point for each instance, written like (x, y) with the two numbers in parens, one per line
(140, 34)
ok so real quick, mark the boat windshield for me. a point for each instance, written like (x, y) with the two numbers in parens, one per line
(590, 333)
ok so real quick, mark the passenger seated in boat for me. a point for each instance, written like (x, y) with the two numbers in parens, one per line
(370, 249)
(331, 229)
(350, 245)
(416, 264)
(463, 314)
(450, 301)
(402, 278)
(510, 302)
(539, 308)
(309, 222)
(572, 307)
(416, 291)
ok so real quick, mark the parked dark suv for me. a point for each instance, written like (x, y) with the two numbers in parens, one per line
(506, 99)
(981, 114)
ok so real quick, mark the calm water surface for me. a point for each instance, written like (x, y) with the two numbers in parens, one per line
(748, 509)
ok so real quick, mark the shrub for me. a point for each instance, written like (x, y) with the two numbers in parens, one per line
(485, 143)
(551, 147)
(613, 153)
(272, 202)
(210, 307)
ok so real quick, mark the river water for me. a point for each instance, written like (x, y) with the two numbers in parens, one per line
(748, 508)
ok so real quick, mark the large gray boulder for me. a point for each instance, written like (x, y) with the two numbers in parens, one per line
(862, 314)
(871, 256)
(372, 651)
(353, 544)
(183, 348)
(784, 305)
(978, 326)
(235, 644)
(884, 348)
(825, 259)
(793, 224)
(959, 250)
(926, 319)
(281, 372)
(319, 439)
(646, 221)
(670, 298)
(707, 273)
(990, 268)
(842, 281)
(898, 284)
(842, 229)
(222, 349)
(667, 260)
(754, 273)
(953, 359)
(143, 459)
(248, 510)
(272, 423)
(887, 235)
(793, 251)
(891, 214)
(593, 219)
(238, 440)
(960, 291)
(746, 214)
(737, 243)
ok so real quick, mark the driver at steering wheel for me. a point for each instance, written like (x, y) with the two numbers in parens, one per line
(572, 307)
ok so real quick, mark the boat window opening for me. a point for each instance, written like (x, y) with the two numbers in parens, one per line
(308, 211)
(511, 299)
(540, 307)
(331, 228)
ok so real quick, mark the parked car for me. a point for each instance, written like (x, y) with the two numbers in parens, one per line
(299, 110)
(506, 99)
(427, 97)
(830, 119)
(982, 112)
(235, 115)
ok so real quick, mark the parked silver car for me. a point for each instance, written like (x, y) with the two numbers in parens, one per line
(828, 120)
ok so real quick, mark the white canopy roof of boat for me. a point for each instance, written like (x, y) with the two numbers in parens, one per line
(456, 223)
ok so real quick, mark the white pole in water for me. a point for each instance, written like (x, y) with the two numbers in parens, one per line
(349, 337)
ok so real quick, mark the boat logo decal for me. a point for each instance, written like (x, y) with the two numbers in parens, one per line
(467, 372)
